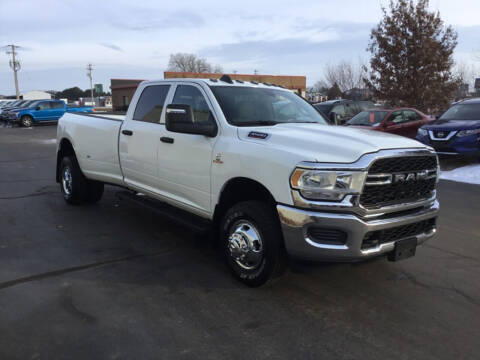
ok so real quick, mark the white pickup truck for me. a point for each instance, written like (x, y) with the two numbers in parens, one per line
(259, 166)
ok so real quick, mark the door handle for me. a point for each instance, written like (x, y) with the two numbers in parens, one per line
(167, 140)
(127, 132)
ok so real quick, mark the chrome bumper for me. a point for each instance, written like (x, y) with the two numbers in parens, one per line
(295, 223)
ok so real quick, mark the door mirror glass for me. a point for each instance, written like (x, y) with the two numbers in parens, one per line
(179, 118)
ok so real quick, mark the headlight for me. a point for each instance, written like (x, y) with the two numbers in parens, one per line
(422, 132)
(468, 132)
(327, 185)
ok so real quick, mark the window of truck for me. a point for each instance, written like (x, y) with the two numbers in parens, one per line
(150, 104)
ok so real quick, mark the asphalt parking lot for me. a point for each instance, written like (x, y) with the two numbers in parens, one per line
(114, 281)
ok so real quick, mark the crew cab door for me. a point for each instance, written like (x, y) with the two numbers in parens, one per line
(57, 109)
(185, 160)
(413, 121)
(140, 136)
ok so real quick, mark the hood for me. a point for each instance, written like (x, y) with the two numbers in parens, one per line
(452, 125)
(324, 143)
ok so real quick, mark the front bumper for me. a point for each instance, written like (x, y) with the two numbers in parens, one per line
(296, 223)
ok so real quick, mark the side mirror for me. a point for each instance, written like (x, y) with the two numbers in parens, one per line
(38, 108)
(179, 118)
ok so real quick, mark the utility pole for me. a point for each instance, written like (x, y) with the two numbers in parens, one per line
(89, 74)
(15, 65)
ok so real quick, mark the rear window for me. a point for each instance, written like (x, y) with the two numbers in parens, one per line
(368, 118)
(462, 112)
(56, 105)
(150, 105)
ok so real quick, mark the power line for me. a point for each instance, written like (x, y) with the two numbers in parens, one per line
(14, 64)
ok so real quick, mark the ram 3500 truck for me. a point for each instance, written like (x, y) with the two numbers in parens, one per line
(259, 166)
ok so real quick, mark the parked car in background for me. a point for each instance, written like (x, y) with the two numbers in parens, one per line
(401, 121)
(457, 131)
(37, 111)
(79, 109)
(20, 104)
(339, 112)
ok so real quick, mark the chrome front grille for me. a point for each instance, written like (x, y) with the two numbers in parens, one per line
(397, 180)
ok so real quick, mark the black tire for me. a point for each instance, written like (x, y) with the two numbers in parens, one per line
(269, 256)
(95, 191)
(26, 121)
(77, 189)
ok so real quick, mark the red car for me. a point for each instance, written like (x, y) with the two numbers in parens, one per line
(402, 121)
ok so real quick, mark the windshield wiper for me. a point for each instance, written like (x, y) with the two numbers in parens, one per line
(257, 123)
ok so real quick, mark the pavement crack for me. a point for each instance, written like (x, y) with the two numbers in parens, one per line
(31, 159)
(451, 252)
(28, 195)
(453, 288)
(59, 272)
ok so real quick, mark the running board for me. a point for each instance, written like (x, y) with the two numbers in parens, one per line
(179, 216)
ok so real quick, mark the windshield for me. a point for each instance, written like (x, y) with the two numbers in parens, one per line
(462, 112)
(248, 106)
(368, 118)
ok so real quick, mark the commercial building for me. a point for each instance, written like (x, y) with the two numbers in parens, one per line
(36, 95)
(123, 89)
(122, 92)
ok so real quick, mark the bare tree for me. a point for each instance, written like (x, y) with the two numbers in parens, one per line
(346, 74)
(191, 63)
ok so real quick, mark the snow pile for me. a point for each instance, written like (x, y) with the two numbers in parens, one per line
(467, 174)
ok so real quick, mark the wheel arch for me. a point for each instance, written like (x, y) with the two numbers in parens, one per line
(64, 149)
(240, 189)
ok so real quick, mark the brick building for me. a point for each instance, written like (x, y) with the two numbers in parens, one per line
(122, 92)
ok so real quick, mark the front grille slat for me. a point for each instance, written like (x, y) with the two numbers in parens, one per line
(384, 193)
(375, 238)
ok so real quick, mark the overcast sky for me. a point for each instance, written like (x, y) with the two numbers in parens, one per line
(133, 39)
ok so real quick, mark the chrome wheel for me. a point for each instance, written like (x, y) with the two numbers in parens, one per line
(67, 181)
(245, 245)
(26, 121)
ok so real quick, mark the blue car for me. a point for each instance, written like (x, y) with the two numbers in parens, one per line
(38, 111)
(457, 131)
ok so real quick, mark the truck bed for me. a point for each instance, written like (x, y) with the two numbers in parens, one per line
(96, 144)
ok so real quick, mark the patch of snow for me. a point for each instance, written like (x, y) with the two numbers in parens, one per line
(467, 174)
(48, 141)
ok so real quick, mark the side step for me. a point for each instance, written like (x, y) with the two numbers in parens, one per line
(181, 217)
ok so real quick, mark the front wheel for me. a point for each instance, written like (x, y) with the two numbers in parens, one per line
(253, 243)
(26, 121)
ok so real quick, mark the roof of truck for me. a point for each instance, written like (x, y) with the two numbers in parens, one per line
(225, 80)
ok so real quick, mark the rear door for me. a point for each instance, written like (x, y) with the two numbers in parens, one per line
(57, 109)
(413, 120)
(140, 136)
